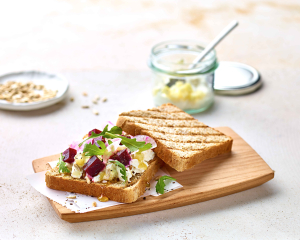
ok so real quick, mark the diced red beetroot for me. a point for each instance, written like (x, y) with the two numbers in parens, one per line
(97, 131)
(69, 155)
(93, 166)
(100, 138)
(122, 156)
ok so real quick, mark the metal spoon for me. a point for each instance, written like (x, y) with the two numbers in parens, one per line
(214, 43)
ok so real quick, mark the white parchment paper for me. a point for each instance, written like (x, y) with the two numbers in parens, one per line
(83, 203)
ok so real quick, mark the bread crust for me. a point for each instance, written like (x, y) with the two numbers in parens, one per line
(115, 191)
(167, 153)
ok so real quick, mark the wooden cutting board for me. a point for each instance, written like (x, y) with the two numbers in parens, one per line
(230, 173)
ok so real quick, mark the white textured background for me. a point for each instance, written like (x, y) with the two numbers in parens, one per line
(102, 47)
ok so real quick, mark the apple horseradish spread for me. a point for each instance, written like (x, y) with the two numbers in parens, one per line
(107, 155)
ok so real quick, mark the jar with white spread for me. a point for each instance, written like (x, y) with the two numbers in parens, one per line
(174, 81)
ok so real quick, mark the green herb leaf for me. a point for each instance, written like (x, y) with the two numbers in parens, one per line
(104, 130)
(113, 130)
(93, 135)
(145, 147)
(101, 144)
(160, 185)
(110, 142)
(122, 170)
(132, 144)
(62, 168)
(92, 150)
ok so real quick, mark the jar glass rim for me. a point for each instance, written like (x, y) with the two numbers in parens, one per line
(191, 45)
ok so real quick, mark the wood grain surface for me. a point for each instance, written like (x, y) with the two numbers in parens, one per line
(230, 173)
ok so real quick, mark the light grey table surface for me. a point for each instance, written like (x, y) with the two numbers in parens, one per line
(267, 119)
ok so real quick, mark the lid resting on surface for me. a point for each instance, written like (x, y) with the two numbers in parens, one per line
(232, 78)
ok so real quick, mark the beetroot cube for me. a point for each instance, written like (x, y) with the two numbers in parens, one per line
(122, 156)
(93, 166)
(69, 155)
(97, 131)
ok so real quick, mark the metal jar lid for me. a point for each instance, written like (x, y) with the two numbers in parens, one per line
(232, 78)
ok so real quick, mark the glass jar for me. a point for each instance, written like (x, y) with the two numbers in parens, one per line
(189, 89)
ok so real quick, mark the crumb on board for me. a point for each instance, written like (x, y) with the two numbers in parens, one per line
(71, 196)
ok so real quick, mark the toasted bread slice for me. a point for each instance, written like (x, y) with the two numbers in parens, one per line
(120, 192)
(182, 141)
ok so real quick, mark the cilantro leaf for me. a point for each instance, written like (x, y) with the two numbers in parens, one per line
(62, 168)
(160, 185)
(92, 150)
(122, 168)
(110, 142)
(101, 144)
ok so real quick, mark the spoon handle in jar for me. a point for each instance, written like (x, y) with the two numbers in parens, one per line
(214, 43)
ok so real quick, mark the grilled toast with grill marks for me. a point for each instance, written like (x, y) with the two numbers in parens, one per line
(182, 141)
(115, 191)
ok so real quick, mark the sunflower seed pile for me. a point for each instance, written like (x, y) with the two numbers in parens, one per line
(25, 92)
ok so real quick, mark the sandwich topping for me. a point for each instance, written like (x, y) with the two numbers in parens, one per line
(107, 155)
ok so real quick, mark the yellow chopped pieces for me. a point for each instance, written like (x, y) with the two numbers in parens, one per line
(181, 91)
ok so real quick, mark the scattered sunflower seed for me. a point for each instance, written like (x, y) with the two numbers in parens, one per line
(95, 112)
(96, 98)
(85, 106)
(72, 99)
(84, 94)
(104, 99)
